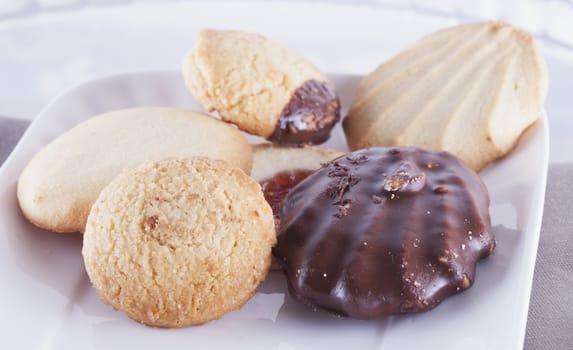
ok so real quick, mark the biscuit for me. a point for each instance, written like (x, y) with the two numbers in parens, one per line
(179, 242)
(261, 86)
(270, 159)
(384, 231)
(471, 90)
(60, 183)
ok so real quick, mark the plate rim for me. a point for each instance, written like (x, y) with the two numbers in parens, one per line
(538, 209)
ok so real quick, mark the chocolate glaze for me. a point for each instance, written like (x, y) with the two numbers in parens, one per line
(384, 231)
(311, 113)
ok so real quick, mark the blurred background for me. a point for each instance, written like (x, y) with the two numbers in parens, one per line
(48, 46)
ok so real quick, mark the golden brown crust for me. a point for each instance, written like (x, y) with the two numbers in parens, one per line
(247, 78)
(179, 242)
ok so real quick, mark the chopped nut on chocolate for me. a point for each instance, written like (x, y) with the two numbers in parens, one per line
(383, 240)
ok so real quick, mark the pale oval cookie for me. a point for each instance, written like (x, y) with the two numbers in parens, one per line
(261, 86)
(179, 242)
(59, 185)
(471, 90)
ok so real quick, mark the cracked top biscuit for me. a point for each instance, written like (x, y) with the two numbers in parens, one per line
(261, 86)
(179, 242)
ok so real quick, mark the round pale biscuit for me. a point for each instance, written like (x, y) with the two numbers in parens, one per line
(179, 242)
(261, 86)
(59, 185)
(270, 160)
(471, 90)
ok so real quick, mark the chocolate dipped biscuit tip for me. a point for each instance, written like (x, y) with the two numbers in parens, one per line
(309, 116)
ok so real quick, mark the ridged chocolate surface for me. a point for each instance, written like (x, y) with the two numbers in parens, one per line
(309, 116)
(384, 231)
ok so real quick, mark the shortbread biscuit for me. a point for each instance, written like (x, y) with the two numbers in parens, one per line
(471, 90)
(57, 188)
(269, 159)
(261, 86)
(179, 242)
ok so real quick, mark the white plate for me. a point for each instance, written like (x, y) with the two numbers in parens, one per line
(47, 302)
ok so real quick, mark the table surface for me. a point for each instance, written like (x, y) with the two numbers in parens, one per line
(38, 65)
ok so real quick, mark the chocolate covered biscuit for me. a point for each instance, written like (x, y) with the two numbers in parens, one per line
(384, 231)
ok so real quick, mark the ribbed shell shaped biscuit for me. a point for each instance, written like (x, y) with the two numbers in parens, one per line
(179, 242)
(261, 86)
(384, 231)
(471, 90)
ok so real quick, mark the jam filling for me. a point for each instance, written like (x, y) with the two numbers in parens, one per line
(277, 187)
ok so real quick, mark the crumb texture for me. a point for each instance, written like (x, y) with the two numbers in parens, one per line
(179, 242)
(247, 78)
